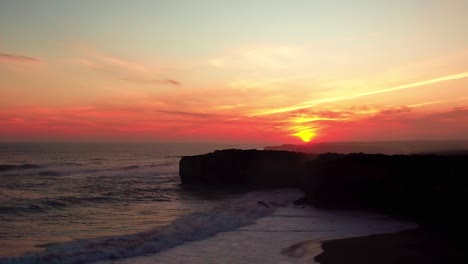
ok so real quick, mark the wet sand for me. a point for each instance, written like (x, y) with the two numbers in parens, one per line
(291, 235)
(415, 246)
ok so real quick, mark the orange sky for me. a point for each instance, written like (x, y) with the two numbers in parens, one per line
(273, 73)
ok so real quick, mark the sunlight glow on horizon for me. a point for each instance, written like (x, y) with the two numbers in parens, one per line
(281, 73)
(305, 134)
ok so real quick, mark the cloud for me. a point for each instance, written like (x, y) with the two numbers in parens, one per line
(438, 102)
(308, 104)
(188, 114)
(174, 82)
(154, 81)
(123, 69)
(4, 57)
(403, 124)
(130, 120)
(100, 61)
(395, 111)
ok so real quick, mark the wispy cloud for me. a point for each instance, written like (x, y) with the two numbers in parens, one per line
(153, 81)
(152, 121)
(115, 122)
(188, 114)
(448, 124)
(126, 70)
(312, 103)
(101, 61)
(5, 57)
(438, 102)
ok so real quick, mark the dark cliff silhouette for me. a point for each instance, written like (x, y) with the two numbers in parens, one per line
(245, 167)
(423, 187)
(429, 189)
(379, 147)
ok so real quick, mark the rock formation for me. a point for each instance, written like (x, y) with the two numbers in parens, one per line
(429, 189)
(245, 167)
(417, 186)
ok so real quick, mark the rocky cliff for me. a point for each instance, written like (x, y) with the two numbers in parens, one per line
(429, 189)
(379, 147)
(246, 167)
(418, 186)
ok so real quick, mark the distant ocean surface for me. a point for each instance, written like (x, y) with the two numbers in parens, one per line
(54, 193)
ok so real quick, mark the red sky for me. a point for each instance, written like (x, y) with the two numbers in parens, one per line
(280, 73)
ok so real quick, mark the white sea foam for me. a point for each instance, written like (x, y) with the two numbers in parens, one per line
(232, 214)
(257, 227)
(289, 235)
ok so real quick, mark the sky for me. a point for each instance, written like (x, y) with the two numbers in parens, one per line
(246, 71)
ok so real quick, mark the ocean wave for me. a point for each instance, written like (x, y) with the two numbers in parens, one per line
(75, 168)
(51, 204)
(5, 209)
(49, 173)
(131, 167)
(161, 164)
(94, 190)
(7, 167)
(97, 159)
(71, 163)
(230, 215)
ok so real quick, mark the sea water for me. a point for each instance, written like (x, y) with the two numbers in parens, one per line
(82, 203)
(289, 235)
(51, 193)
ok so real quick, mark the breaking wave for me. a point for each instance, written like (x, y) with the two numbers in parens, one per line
(229, 215)
(8, 167)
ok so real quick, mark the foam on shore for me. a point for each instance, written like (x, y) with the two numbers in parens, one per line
(229, 215)
(291, 234)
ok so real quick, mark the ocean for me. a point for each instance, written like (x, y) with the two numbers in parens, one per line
(53, 193)
(124, 203)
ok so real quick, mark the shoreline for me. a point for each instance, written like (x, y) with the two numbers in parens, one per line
(421, 245)
(425, 188)
(291, 234)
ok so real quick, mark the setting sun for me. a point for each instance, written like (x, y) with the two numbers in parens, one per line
(182, 78)
(305, 134)
(154, 131)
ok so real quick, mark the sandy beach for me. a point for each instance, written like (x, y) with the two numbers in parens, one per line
(292, 234)
(415, 246)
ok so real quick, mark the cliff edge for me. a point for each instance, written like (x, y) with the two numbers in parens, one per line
(245, 167)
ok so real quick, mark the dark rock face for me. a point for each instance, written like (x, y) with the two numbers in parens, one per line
(422, 187)
(246, 167)
(380, 147)
(429, 189)
(416, 246)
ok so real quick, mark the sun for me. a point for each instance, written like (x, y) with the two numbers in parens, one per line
(305, 134)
